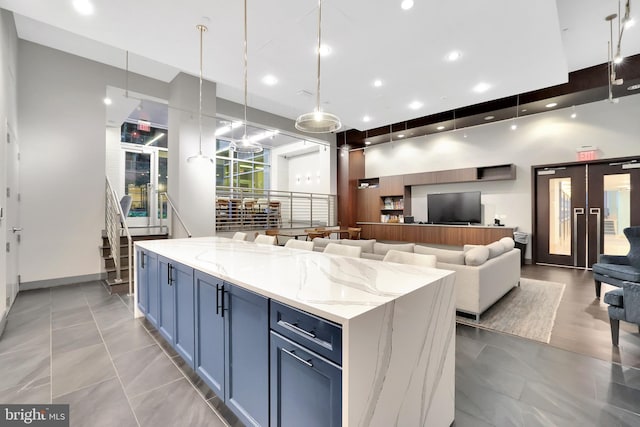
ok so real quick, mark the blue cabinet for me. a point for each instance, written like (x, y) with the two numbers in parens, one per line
(176, 318)
(148, 297)
(209, 328)
(306, 388)
(232, 346)
(246, 341)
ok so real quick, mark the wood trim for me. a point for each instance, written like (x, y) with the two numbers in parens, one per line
(435, 234)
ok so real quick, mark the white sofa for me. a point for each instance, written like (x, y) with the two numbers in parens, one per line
(484, 274)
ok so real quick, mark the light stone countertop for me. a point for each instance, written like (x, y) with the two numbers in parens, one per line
(333, 287)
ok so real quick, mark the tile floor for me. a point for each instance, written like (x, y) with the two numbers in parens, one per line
(79, 345)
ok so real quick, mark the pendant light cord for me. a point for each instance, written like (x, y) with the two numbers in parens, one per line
(245, 70)
(202, 29)
(319, 44)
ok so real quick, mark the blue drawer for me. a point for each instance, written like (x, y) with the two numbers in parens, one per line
(312, 332)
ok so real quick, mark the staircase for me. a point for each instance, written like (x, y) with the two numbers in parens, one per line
(109, 264)
(609, 226)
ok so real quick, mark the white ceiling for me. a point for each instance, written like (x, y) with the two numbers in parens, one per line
(514, 45)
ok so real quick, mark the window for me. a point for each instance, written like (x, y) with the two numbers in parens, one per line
(243, 170)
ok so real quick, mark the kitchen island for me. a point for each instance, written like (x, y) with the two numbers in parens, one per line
(290, 337)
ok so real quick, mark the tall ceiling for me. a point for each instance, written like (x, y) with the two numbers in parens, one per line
(513, 46)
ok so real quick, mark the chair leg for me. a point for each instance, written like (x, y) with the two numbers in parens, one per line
(615, 331)
(598, 286)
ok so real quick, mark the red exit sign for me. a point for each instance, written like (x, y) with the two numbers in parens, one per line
(584, 156)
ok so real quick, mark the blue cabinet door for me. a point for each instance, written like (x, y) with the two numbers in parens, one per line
(246, 319)
(153, 287)
(142, 284)
(184, 337)
(306, 389)
(209, 357)
(166, 317)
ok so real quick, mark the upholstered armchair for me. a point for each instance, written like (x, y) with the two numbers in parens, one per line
(624, 304)
(616, 269)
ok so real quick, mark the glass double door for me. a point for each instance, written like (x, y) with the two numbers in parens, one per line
(581, 211)
(145, 179)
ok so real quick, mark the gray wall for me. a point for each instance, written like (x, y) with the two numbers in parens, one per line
(62, 137)
(8, 118)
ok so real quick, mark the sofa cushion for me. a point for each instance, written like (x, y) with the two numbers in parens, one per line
(621, 272)
(366, 245)
(442, 255)
(467, 248)
(495, 249)
(614, 297)
(404, 257)
(476, 256)
(383, 248)
(322, 242)
(372, 256)
(508, 243)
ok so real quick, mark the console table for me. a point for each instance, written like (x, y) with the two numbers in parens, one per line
(451, 235)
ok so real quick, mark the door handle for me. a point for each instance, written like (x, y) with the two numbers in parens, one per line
(596, 212)
(16, 229)
(576, 212)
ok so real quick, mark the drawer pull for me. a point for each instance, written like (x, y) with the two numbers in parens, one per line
(298, 358)
(296, 328)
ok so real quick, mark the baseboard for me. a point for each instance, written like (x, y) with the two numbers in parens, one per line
(3, 321)
(61, 281)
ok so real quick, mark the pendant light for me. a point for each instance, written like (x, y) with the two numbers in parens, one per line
(318, 121)
(200, 157)
(245, 145)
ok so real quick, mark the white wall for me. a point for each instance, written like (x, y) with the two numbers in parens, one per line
(8, 119)
(114, 160)
(550, 137)
(62, 140)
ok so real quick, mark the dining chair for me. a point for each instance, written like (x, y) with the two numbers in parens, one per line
(263, 239)
(410, 258)
(338, 249)
(354, 232)
(312, 234)
(239, 236)
(299, 244)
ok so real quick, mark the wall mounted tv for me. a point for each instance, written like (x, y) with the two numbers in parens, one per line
(454, 208)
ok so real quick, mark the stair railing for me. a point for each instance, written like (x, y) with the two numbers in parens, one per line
(175, 211)
(116, 226)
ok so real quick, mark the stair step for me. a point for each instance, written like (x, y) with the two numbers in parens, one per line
(117, 288)
(110, 264)
(124, 273)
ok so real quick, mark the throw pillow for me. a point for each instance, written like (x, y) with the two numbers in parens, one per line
(476, 256)
(443, 255)
(508, 243)
(366, 245)
(383, 248)
(495, 249)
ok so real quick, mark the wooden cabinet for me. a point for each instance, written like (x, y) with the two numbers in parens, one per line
(391, 185)
(147, 285)
(368, 205)
(450, 235)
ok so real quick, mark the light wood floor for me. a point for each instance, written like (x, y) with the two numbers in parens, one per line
(582, 322)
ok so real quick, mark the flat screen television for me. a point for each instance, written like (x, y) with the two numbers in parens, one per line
(454, 208)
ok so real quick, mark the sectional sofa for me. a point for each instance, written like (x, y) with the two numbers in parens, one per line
(484, 274)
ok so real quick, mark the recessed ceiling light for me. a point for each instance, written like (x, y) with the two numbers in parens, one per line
(367, 143)
(634, 87)
(481, 87)
(401, 135)
(440, 127)
(377, 83)
(415, 105)
(524, 110)
(366, 119)
(107, 101)
(629, 23)
(551, 104)
(406, 4)
(574, 115)
(514, 126)
(454, 55)
(325, 50)
(270, 80)
(489, 117)
(83, 7)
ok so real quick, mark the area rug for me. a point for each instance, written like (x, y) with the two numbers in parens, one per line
(527, 311)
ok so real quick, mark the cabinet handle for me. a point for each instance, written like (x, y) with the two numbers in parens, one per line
(298, 358)
(170, 275)
(142, 254)
(218, 289)
(296, 328)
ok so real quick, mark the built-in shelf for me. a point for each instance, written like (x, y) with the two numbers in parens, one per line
(368, 183)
